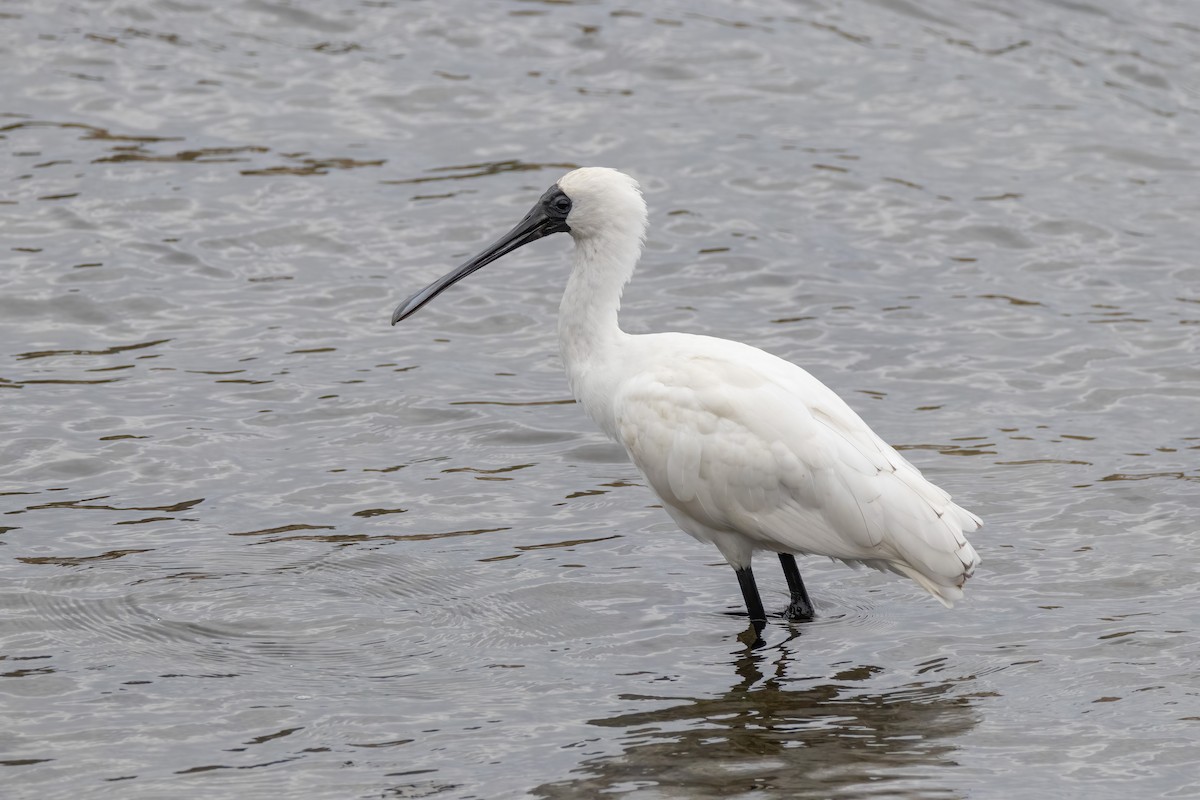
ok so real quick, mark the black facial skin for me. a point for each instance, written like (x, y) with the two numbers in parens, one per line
(547, 217)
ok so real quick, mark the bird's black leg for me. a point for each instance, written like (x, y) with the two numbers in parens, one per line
(801, 608)
(758, 617)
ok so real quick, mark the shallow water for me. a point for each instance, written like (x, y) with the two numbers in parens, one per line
(256, 543)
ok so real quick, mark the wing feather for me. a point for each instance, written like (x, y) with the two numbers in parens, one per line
(758, 447)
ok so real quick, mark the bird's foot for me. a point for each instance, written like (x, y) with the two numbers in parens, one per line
(752, 636)
(799, 611)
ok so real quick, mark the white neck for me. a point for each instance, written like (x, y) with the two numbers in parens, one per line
(589, 336)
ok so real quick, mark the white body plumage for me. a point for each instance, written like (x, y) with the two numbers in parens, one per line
(746, 450)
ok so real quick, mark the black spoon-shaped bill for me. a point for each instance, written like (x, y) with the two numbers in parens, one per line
(547, 217)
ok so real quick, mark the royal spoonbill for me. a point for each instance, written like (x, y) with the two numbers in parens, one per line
(746, 451)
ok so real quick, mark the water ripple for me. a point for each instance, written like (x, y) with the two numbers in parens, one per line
(255, 537)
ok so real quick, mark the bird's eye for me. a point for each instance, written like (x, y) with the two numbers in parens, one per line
(561, 204)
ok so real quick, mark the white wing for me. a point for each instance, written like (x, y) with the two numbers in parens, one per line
(737, 441)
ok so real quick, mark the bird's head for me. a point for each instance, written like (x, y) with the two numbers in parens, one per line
(590, 203)
(603, 202)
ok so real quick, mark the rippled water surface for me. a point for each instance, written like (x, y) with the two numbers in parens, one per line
(254, 542)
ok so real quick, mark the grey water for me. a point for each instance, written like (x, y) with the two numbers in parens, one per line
(256, 543)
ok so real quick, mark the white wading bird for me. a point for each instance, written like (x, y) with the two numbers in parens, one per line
(747, 451)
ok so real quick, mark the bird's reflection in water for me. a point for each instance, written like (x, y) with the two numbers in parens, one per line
(773, 737)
